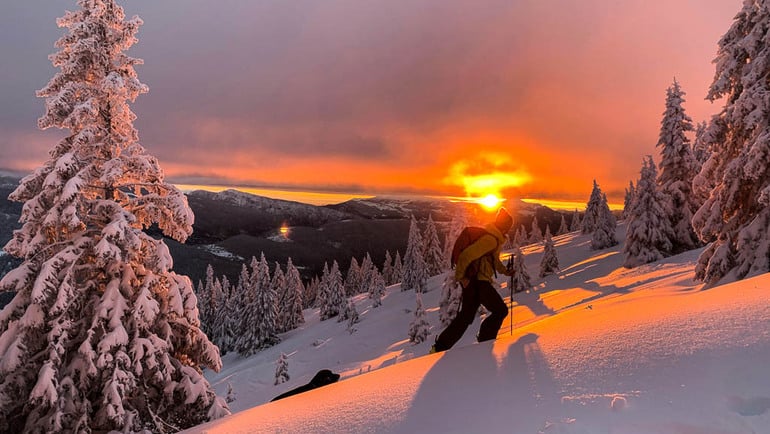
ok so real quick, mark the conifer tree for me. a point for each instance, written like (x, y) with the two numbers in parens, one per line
(451, 296)
(398, 268)
(434, 255)
(628, 202)
(736, 216)
(334, 290)
(294, 317)
(550, 262)
(520, 278)
(414, 274)
(100, 323)
(563, 229)
(353, 278)
(281, 369)
(604, 233)
(649, 232)
(591, 217)
(419, 329)
(377, 289)
(387, 269)
(677, 170)
(535, 234)
(576, 224)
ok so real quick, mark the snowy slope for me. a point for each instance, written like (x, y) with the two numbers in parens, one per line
(594, 349)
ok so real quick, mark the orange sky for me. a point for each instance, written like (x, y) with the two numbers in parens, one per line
(526, 99)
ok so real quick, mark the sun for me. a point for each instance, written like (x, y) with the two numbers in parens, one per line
(489, 201)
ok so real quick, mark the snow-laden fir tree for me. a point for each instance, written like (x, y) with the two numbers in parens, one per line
(433, 253)
(606, 225)
(593, 207)
(520, 278)
(387, 269)
(310, 296)
(628, 202)
(677, 169)
(353, 278)
(368, 269)
(700, 146)
(334, 300)
(293, 302)
(398, 268)
(101, 335)
(736, 216)
(419, 329)
(649, 231)
(563, 229)
(550, 262)
(281, 369)
(535, 233)
(377, 289)
(414, 272)
(282, 299)
(451, 297)
(576, 224)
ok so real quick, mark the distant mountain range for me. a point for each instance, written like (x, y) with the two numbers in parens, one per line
(230, 227)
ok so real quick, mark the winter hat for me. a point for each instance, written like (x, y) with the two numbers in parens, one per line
(503, 220)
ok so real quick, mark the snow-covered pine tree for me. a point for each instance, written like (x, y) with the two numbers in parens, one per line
(281, 369)
(451, 296)
(415, 276)
(100, 323)
(367, 271)
(377, 289)
(535, 233)
(649, 232)
(700, 146)
(576, 224)
(283, 302)
(433, 253)
(353, 278)
(310, 296)
(550, 262)
(677, 170)
(521, 237)
(295, 317)
(387, 269)
(520, 279)
(419, 329)
(628, 202)
(736, 216)
(563, 229)
(604, 232)
(593, 207)
(334, 290)
(398, 268)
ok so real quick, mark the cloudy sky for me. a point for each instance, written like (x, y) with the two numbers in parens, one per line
(528, 98)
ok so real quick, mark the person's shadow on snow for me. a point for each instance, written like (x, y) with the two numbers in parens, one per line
(466, 385)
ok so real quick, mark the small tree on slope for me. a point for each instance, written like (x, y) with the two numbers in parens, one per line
(649, 231)
(101, 334)
(677, 170)
(415, 274)
(736, 216)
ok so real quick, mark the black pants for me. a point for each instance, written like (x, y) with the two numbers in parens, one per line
(478, 292)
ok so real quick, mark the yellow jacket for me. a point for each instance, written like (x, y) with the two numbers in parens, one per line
(494, 240)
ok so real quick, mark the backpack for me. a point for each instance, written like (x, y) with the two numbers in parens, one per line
(468, 236)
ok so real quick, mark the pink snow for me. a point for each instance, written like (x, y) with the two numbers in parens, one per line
(595, 348)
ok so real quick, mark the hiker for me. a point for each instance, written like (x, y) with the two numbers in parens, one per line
(482, 255)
